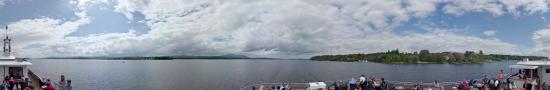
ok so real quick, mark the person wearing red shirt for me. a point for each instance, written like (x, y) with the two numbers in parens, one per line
(501, 75)
(49, 85)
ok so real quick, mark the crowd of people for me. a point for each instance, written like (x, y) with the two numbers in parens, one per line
(363, 83)
(283, 86)
(15, 82)
(500, 82)
(62, 84)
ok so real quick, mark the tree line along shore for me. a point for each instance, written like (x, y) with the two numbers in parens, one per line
(424, 56)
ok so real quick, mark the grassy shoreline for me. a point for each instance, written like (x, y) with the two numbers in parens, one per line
(423, 57)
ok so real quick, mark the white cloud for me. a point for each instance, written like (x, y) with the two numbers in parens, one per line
(530, 6)
(489, 33)
(2, 2)
(295, 28)
(459, 7)
(128, 6)
(38, 37)
(278, 28)
(541, 41)
(83, 4)
(422, 8)
(96, 45)
(42, 31)
(497, 7)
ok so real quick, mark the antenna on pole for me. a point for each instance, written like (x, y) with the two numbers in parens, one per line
(6, 31)
(7, 42)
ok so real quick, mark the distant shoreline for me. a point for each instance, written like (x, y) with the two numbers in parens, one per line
(178, 59)
(423, 57)
(184, 57)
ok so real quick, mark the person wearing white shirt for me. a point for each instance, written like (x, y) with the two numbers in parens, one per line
(363, 81)
(362, 78)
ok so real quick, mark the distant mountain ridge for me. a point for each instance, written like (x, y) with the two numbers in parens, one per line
(225, 56)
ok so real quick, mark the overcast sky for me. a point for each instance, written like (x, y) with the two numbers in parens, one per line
(274, 28)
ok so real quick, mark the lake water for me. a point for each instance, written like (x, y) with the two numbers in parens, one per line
(233, 74)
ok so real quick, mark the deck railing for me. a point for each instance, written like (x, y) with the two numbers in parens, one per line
(36, 81)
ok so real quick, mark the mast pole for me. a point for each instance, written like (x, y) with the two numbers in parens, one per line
(6, 31)
(9, 41)
(5, 41)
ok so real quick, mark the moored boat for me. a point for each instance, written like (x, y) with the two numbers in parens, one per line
(535, 72)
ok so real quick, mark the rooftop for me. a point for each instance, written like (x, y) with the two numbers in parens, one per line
(536, 63)
(15, 63)
(4, 57)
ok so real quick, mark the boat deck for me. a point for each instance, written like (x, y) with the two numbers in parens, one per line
(34, 80)
(392, 85)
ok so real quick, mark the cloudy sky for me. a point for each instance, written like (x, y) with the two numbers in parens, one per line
(274, 28)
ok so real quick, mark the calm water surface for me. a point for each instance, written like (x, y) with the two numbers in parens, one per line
(234, 74)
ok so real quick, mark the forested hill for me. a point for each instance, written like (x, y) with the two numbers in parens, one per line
(424, 56)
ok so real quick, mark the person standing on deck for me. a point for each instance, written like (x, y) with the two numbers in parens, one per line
(500, 79)
(498, 84)
(419, 86)
(342, 85)
(383, 84)
(512, 85)
(24, 82)
(262, 87)
(61, 84)
(491, 84)
(370, 83)
(362, 82)
(352, 83)
(527, 85)
(545, 86)
(464, 85)
(335, 85)
(437, 86)
(501, 75)
(49, 85)
(534, 85)
(11, 83)
(5, 83)
(362, 78)
(17, 79)
(379, 87)
(68, 86)
(287, 86)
